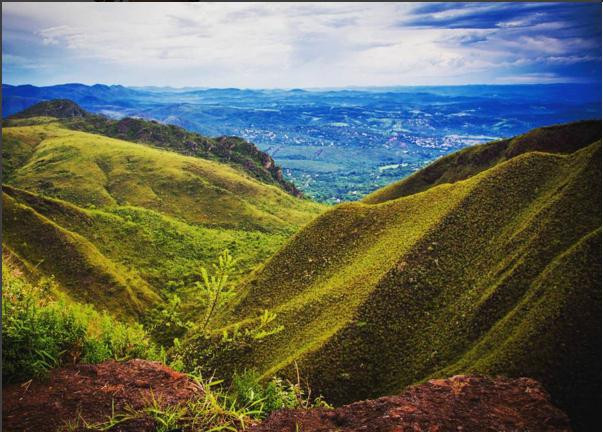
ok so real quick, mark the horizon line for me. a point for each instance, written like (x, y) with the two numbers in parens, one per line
(326, 88)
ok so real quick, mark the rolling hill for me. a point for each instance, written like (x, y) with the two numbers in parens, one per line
(492, 266)
(231, 150)
(120, 223)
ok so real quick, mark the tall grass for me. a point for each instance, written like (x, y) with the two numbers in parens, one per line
(42, 330)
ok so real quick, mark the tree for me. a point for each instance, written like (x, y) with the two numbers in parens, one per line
(215, 288)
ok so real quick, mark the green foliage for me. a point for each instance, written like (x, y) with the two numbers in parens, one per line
(206, 353)
(39, 332)
(215, 289)
(258, 332)
(248, 388)
(131, 221)
(166, 322)
(231, 150)
(218, 407)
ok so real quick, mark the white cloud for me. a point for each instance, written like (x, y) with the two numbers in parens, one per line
(275, 44)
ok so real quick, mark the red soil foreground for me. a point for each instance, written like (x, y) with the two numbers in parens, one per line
(90, 391)
(461, 403)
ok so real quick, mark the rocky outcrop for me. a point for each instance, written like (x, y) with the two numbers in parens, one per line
(88, 394)
(460, 403)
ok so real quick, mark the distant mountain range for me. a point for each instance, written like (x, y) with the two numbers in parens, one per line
(338, 144)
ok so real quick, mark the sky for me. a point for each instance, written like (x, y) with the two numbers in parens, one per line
(300, 45)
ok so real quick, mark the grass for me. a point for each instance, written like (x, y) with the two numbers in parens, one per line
(218, 408)
(487, 261)
(232, 151)
(93, 170)
(374, 297)
(42, 329)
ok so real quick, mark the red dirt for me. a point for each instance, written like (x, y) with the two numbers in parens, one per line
(90, 390)
(461, 403)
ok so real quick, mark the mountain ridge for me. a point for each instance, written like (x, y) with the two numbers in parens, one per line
(472, 160)
(142, 219)
(232, 150)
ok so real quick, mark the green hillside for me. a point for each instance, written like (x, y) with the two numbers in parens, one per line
(497, 273)
(472, 160)
(488, 261)
(120, 223)
(233, 151)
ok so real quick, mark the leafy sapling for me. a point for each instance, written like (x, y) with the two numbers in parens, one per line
(215, 288)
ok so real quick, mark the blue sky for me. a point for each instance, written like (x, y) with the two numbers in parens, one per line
(285, 45)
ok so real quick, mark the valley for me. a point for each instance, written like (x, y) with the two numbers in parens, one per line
(339, 144)
(485, 262)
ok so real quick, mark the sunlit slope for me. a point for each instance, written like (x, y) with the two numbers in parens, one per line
(76, 264)
(463, 164)
(233, 151)
(460, 277)
(94, 170)
(153, 217)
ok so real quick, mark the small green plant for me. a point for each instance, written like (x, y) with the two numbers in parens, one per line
(258, 332)
(166, 322)
(214, 410)
(206, 352)
(274, 394)
(215, 288)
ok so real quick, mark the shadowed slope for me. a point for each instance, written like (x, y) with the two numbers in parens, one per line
(376, 297)
(85, 273)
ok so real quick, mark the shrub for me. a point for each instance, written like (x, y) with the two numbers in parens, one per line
(40, 331)
(166, 322)
(215, 289)
(207, 353)
(248, 390)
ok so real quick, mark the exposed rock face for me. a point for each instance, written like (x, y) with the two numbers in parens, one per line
(460, 403)
(89, 391)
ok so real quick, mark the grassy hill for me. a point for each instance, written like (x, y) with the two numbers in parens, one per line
(486, 262)
(230, 150)
(472, 160)
(119, 223)
(498, 272)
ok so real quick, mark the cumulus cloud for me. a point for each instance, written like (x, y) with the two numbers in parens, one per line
(300, 44)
